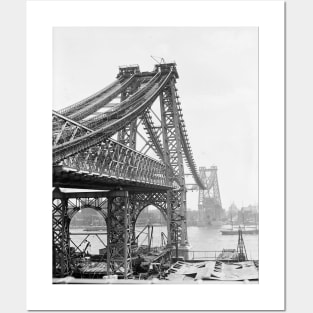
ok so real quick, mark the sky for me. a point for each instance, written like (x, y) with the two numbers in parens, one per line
(217, 85)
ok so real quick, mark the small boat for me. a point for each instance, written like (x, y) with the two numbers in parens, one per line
(235, 231)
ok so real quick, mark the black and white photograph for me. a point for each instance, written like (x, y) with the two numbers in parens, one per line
(167, 155)
(155, 155)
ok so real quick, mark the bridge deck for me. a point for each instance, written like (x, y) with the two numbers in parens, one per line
(67, 178)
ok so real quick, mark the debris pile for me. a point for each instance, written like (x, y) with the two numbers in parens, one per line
(213, 270)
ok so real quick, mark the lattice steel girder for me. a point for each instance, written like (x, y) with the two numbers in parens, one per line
(64, 129)
(85, 194)
(113, 159)
(119, 234)
(87, 200)
(140, 200)
(176, 200)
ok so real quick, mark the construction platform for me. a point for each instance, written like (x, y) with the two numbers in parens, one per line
(213, 270)
(179, 272)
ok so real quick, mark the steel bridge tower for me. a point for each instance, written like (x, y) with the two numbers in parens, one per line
(209, 201)
(86, 156)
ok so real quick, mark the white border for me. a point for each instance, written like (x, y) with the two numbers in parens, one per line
(41, 18)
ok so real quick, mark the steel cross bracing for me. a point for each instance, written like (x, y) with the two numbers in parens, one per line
(112, 164)
(128, 101)
(65, 129)
(119, 234)
(86, 156)
(209, 201)
(139, 201)
(120, 212)
(176, 199)
(127, 135)
(64, 207)
(113, 122)
(153, 133)
(60, 237)
(109, 162)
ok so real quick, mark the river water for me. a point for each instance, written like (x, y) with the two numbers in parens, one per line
(207, 238)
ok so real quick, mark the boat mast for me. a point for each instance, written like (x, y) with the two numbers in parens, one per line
(243, 218)
(256, 223)
(231, 219)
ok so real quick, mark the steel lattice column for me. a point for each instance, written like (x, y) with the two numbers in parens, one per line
(216, 196)
(176, 200)
(133, 207)
(201, 196)
(209, 202)
(216, 189)
(119, 234)
(60, 236)
(127, 136)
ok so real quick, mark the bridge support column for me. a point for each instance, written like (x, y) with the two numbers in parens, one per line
(60, 235)
(127, 136)
(119, 234)
(176, 199)
(209, 201)
(133, 217)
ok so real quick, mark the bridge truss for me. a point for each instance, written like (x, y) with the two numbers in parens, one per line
(96, 146)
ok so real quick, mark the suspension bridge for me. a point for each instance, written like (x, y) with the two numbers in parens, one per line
(96, 148)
